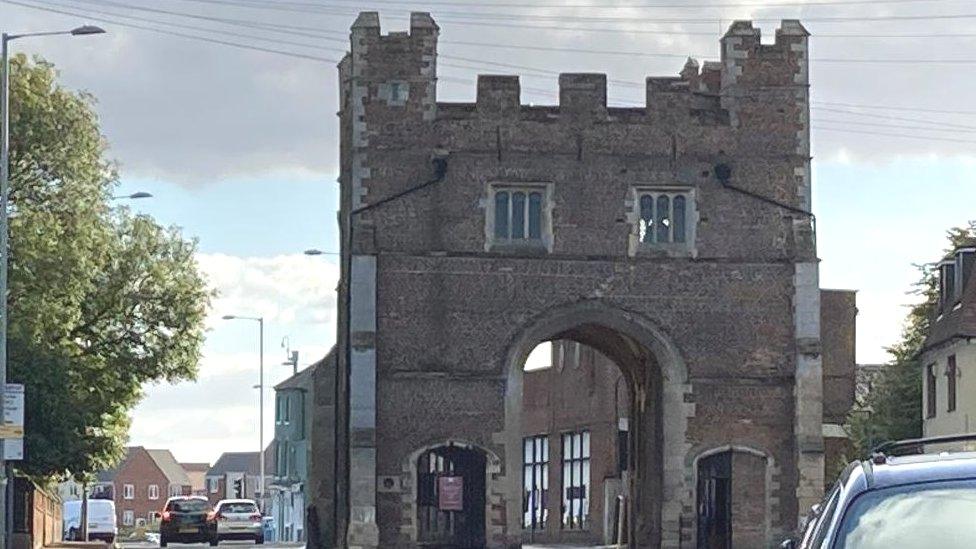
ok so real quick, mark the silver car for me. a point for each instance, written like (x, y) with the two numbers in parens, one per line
(237, 519)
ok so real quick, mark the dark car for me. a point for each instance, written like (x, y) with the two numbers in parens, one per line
(920, 501)
(185, 520)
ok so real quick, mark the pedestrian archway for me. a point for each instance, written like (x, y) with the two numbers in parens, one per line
(654, 384)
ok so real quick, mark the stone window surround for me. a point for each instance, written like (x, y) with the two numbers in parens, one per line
(672, 249)
(544, 244)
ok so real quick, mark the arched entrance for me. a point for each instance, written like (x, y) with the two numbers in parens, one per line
(656, 383)
(451, 498)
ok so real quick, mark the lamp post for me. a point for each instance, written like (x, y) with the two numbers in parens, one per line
(260, 387)
(5, 40)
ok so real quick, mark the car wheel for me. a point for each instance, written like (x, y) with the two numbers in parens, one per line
(163, 542)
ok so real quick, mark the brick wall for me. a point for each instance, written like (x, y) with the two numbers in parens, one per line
(140, 471)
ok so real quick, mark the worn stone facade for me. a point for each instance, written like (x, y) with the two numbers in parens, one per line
(532, 224)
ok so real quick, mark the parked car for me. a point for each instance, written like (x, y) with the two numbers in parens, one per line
(102, 524)
(918, 501)
(185, 519)
(237, 519)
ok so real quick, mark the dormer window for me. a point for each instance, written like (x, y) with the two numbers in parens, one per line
(965, 258)
(947, 282)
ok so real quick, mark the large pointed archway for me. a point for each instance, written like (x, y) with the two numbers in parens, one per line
(656, 380)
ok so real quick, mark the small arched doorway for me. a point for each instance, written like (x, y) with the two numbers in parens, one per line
(451, 498)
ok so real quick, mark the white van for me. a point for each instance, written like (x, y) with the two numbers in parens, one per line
(102, 524)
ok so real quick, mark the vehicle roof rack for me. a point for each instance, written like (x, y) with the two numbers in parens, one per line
(887, 447)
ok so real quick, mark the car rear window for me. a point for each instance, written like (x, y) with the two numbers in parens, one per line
(188, 506)
(920, 516)
(238, 508)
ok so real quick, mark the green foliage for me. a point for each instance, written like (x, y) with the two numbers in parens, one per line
(101, 301)
(893, 408)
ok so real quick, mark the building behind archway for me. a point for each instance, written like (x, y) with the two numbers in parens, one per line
(675, 238)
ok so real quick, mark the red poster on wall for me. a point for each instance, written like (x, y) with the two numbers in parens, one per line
(451, 491)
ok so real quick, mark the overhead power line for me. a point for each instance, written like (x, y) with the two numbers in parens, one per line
(889, 134)
(507, 5)
(477, 63)
(172, 33)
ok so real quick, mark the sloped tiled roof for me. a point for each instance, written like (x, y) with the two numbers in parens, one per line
(956, 321)
(170, 467)
(196, 467)
(303, 379)
(243, 462)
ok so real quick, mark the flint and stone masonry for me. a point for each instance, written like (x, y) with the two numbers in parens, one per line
(672, 238)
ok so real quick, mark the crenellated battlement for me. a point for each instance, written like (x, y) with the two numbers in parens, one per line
(399, 69)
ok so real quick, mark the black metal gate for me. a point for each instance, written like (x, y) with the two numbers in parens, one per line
(451, 528)
(715, 502)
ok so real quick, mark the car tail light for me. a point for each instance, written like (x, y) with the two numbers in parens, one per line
(212, 515)
(166, 516)
(256, 517)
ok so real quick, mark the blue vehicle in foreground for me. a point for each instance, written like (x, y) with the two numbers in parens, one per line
(920, 501)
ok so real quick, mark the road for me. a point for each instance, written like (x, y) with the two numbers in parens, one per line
(227, 544)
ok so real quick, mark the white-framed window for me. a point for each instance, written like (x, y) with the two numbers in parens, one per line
(175, 490)
(128, 491)
(128, 518)
(153, 491)
(665, 217)
(535, 480)
(151, 517)
(213, 484)
(519, 214)
(576, 480)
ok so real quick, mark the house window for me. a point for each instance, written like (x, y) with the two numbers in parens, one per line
(128, 518)
(128, 491)
(930, 391)
(519, 214)
(286, 412)
(951, 383)
(278, 414)
(280, 459)
(576, 479)
(153, 491)
(151, 517)
(175, 490)
(665, 217)
(300, 435)
(535, 482)
(213, 485)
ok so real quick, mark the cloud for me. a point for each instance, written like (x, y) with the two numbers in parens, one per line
(194, 112)
(284, 289)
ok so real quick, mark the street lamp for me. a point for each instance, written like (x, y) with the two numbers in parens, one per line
(133, 196)
(260, 387)
(5, 39)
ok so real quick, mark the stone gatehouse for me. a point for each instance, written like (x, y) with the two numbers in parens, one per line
(675, 239)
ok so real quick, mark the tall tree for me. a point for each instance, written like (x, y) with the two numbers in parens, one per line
(893, 408)
(101, 301)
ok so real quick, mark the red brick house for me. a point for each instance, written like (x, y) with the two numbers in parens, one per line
(141, 483)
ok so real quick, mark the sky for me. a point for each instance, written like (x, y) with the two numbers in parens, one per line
(240, 147)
